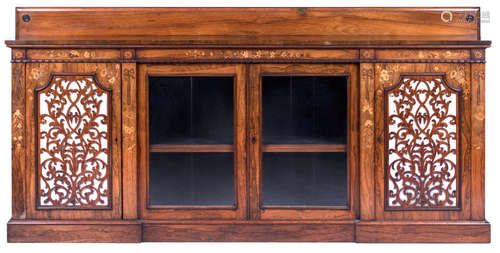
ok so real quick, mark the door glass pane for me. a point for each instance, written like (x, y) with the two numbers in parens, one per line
(304, 109)
(299, 110)
(189, 116)
(191, 179)
(191, 110)
(316, 179)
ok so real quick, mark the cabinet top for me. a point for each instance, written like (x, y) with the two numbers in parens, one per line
(301, 27)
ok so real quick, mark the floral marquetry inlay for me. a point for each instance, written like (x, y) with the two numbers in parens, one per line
(422, 141)
(74, 143)
(246, 54)
(17, 128)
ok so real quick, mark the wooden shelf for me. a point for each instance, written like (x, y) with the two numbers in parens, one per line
(304, 148)
(160, 148)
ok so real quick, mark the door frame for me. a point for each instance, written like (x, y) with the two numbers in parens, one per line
(257, 210)
(239, 209)
(387, 75)
(107, 77)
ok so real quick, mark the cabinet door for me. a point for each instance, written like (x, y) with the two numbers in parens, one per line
(192, 141)
(422, 130)
(73, 137)
(303, 131)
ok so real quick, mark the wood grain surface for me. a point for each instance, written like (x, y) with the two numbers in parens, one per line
(171, 23)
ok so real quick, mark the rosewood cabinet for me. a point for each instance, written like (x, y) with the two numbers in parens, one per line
(248, 124)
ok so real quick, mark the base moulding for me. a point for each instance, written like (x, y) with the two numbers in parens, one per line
(247, 231)
(74, 231)
(425, 231)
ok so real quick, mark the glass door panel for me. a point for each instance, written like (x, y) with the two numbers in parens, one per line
(195, 160)
(191, 179)
(191, 110)
(303, 161)
(304, 109)
(304, 179)
(183, 116)
(300, 113)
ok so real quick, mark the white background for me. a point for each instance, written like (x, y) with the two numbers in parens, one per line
(489, 32)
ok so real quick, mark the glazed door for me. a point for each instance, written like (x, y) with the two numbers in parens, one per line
(303, 141)
(192, 137)
(73, 113)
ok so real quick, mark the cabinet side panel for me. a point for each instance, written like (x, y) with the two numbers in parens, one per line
(129, 144)
(366, 140)
(478, 141)
(18, 141)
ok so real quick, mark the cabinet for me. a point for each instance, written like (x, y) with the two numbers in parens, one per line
(207, 125)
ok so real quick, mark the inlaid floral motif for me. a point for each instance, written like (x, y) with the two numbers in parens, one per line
(246, 54)
(17, 128)
(73, 53)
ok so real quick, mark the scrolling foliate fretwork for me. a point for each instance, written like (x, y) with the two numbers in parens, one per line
(74, 143)
(422, 142)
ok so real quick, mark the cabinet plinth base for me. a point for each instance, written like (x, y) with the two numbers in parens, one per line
(424, 231)
(248, 231)
(73, 231)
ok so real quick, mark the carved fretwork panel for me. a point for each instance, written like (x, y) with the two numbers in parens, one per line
(74, 146)
(422, 140)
